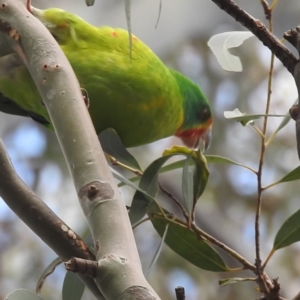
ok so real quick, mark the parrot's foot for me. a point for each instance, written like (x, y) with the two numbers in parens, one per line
(294, 111)
(85, 96)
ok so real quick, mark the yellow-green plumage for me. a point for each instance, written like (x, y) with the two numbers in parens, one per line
(136, 95)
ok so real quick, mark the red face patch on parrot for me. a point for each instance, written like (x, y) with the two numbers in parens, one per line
(192, 137)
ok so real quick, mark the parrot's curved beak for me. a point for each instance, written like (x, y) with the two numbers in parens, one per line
(205, 139)
(196, 138)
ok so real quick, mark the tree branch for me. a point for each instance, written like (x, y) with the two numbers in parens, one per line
(40, 218)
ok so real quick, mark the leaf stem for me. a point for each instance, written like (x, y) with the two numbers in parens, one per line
(231, 252)
(258, 131)
(115, 162)
(176, 201)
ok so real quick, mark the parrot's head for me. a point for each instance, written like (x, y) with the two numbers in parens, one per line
(62, 24)
(197, 117)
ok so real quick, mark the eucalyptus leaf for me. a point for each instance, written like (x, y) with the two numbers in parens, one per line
(188, 185)
(211, 159)
(22, 294)
(283, 123)
(289, 232)
(187, 244)
(148, 183)
(112, 145)
(201, 173)
(149, 180)
(222, 42)
(48, 271)
(291, 176)
(73, 287)
(158, 250)
(121, 178)
(244, 119)
(234, 280)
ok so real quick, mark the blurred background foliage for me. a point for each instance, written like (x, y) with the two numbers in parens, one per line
(227, 208)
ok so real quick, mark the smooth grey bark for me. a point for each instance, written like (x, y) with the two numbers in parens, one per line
(119, 270)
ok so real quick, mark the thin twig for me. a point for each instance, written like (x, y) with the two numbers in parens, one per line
(115, 162)
(259, 269)
(176, 201)
(231, 252)
(267, 10)
(141, 222)
(258, 131)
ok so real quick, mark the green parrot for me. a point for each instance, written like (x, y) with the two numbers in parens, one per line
(137, 95)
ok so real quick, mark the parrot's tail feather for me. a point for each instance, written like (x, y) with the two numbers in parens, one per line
(10, 107)
(38, 119)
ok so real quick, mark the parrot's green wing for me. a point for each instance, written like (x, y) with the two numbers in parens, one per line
(9, 107)
(10, 67)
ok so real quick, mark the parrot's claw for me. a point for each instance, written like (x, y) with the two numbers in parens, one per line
(85, 96)
(294, 111)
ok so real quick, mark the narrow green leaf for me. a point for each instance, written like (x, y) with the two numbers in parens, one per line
(148, 183)
(175, 165)
(47, 272)
(244, 119)
(285, 120)
(233, 280)
(188, 185)
(283, 123)
(149, 180)
(158, 251)
(186, 244)
(132, 179)
(293, 175)
(23, 294)
(289, 232)
(211, 159)
(222, 42)
(112, 145)
(140, 200)
(216, 159)
(73, 287)
(129, 183)
(201, 173)
(138, 207)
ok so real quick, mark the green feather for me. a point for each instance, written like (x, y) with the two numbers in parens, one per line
(138, 96)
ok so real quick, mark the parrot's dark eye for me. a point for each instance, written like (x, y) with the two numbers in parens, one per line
(204, 114)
